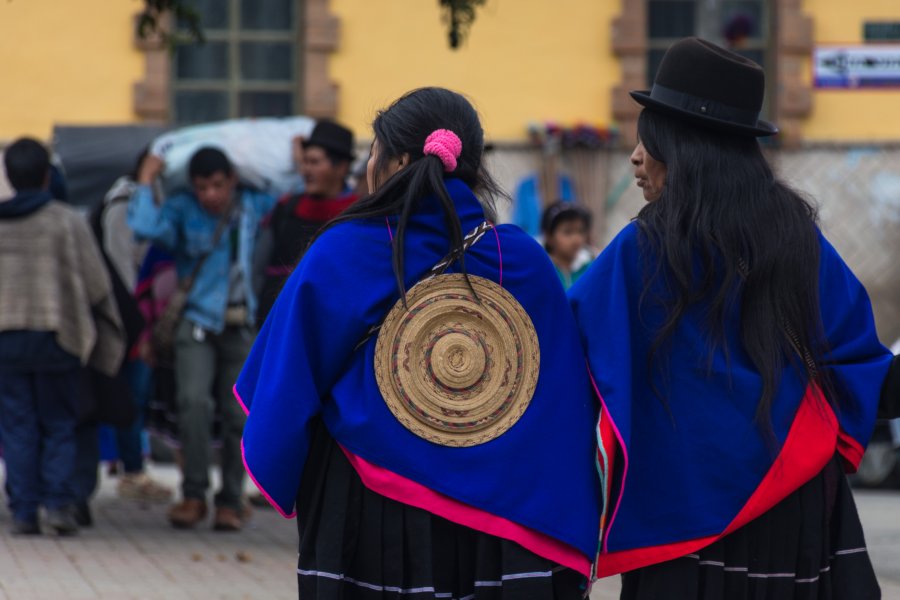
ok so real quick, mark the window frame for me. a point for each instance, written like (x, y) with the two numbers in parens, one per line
(233, 86)
(706, 25)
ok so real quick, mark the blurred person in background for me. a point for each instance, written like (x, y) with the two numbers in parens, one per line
(566, 227)
(324, 161)
(156, 282)
(211, 231)
(57, 315)
(124, 256)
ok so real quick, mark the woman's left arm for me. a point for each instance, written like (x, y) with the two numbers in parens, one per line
(855, 358)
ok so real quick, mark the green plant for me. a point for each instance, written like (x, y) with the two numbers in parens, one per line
(459, 16)
(154, 20)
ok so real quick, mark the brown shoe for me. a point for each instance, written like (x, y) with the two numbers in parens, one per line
(187, 513)
(228, 519)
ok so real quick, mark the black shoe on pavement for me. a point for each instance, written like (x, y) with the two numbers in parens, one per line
(82, 513)
(24, 527)
(61, 521)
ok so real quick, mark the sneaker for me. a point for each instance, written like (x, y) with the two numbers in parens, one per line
(24, 527)
(143, 488)
(187, 513)
(62, 521)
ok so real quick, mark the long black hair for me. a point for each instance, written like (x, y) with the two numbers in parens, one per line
(727, 233)
(401, 129)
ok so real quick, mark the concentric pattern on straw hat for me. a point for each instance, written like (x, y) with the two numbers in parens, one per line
(455, 369)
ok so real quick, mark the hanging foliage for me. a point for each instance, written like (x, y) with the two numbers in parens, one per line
(459, 16)
(154, 21)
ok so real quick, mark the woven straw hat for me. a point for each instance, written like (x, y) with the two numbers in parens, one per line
(454, 369)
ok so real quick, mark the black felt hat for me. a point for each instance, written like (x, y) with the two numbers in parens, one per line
(331, 136)
(700, 82)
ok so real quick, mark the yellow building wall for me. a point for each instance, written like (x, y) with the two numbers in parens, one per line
(523, 61)
(66, 62)
(851, 115)
(73, 62)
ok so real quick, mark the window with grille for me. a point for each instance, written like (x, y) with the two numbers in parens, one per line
(741, 25)
(248, 66)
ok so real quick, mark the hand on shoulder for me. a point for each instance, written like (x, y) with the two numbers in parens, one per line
(151, 168)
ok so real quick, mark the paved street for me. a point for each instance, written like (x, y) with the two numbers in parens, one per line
(880, 512)
(131, 553)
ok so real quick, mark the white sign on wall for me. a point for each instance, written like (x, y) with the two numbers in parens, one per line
(857, 66)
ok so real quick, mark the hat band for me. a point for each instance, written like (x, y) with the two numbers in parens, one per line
(703, 106)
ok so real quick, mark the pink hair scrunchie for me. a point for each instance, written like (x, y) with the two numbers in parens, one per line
(446, 145)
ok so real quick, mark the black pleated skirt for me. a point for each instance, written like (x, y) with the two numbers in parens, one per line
(356, 544)
(808, 547)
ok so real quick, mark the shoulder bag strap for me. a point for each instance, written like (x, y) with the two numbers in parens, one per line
(470, 240)
(188, 282)
(440, 268)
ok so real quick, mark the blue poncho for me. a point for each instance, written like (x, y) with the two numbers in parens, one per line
(682, 480)
(539, 474)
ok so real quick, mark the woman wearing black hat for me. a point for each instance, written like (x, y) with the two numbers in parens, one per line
(736, 358)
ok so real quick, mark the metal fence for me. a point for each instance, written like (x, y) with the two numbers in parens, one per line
(858, 193)
(857, 190)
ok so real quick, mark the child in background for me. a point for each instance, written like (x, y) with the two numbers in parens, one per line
(566, 227)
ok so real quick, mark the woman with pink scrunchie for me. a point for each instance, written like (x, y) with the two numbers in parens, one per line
(449, 453)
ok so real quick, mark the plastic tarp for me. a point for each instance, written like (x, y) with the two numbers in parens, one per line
(93, 157)
(260, 150)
